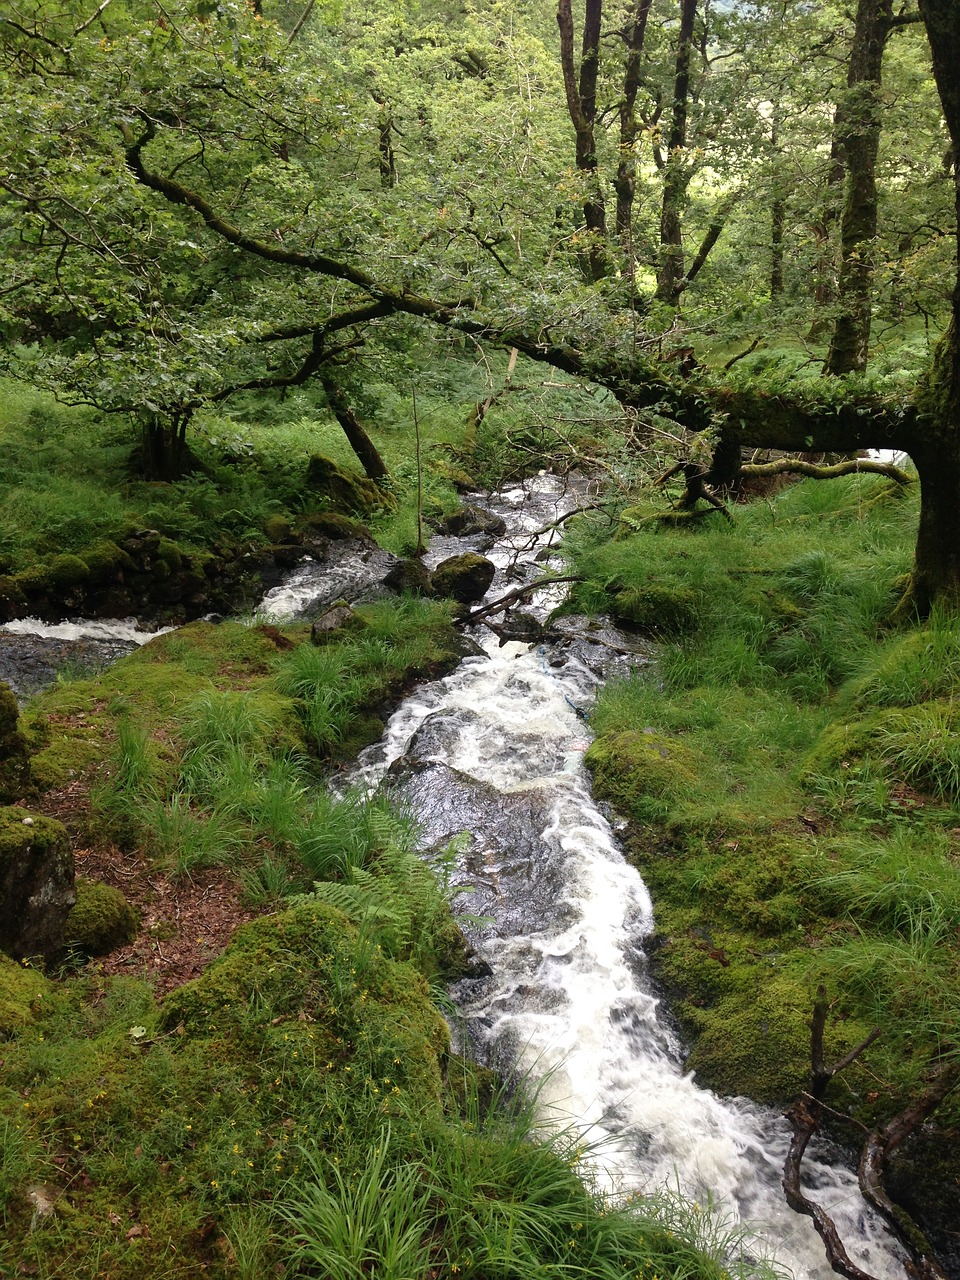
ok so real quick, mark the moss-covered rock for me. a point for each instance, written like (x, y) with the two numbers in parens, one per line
(344, 490)
(66, 571)
(101, 919)
(465, 578)
(36, 884)
(278, 529)
(657, 609)
(311, 969)
(641, 772)
(331, 525)
(106, 561)
(22, 990)
(14, 750)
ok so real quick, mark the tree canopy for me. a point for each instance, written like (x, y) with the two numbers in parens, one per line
(204, 197)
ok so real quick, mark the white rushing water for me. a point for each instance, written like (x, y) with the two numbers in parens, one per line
(496, 749)
(569, 997)
(125, 630)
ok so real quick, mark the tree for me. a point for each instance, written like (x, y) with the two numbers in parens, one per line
(234, 181)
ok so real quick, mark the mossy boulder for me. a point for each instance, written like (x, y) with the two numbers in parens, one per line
(36, 884)
(278, 529)
(66, 571)
(641, 772)
(14, 750)
(332, 526)
(343, 490)
(308, 973)
(657, 609)
(22, 990)
(469, 520)
(465, 578)
(101, 919)
(755, 1041)
(106, 561)
(410, 575)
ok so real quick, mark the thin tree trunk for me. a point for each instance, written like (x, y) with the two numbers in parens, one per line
(858, 137)
(582, 106)
(676, 171)
(630, 127)
(361, 444)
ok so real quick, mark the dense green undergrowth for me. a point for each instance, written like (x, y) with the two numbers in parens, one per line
(789, 769)
(296, 1110)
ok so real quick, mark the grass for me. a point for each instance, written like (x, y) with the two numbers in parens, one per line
(789, 769)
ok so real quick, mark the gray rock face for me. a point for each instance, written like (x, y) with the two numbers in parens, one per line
(36, 884)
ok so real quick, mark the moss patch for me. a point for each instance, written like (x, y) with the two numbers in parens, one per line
(101, 919)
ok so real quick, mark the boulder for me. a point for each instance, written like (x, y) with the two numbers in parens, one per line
(344, 490)
(100, 920)
(469, 520)
(36, 884)
(465, 578)
(409, 575)
(337, 618)
(14, 753)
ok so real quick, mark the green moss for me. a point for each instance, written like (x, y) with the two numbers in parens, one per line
(277, 529)
(66, 570)
(465, 578)
(343, 490)
(14, 750)
(641, 772)
(663, 610)
(106, 560)
(169, 553)
(330, 524)
(310, 966)
(101, 920)
(21, 994)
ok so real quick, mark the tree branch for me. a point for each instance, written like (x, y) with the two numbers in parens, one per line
(794, 466)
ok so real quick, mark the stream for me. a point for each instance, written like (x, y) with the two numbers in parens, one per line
(564, 992)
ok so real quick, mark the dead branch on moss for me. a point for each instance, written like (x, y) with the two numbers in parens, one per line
(794, 466)
(805, 1116)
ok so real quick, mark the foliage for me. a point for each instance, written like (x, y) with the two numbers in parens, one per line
(787, 769)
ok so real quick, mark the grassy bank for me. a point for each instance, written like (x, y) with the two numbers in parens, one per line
(788, 768)
(295, 1110)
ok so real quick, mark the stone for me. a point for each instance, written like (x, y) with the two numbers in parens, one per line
(465, 578)
(336, 618)
(408, 575)
(36, 884)
(344, 490)
(469, 520)
(100, 920)
(14, 753)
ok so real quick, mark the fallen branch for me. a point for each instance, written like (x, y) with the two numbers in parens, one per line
(794, 466)
(805, 1117)
(497, 606)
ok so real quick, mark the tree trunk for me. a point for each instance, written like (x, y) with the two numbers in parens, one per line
(677, 172)
(163, 453)
(582, 106)
(361, 444)
(936, 567)
(858, 137)
(630, 126)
